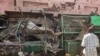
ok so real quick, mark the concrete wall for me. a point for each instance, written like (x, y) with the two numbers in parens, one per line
(55, 6)
(3, 6)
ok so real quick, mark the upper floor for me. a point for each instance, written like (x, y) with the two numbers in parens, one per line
(52, 6)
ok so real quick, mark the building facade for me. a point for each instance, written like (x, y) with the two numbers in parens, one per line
(55, 6)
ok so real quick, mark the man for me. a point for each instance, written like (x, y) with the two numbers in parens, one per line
(90, 43)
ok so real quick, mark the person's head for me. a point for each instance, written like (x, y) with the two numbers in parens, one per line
(91, 29)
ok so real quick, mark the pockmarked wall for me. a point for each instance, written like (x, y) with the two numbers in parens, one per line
(54, 6)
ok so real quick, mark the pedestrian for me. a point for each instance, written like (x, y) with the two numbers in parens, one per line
(90, 43)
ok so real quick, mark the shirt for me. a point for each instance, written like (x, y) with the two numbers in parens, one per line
(90, 42)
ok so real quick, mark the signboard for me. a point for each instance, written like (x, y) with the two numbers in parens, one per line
(95, 20)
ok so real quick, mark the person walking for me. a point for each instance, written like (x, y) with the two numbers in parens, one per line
(90, 43)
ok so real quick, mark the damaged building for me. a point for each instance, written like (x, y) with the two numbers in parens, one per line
(59, 24)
